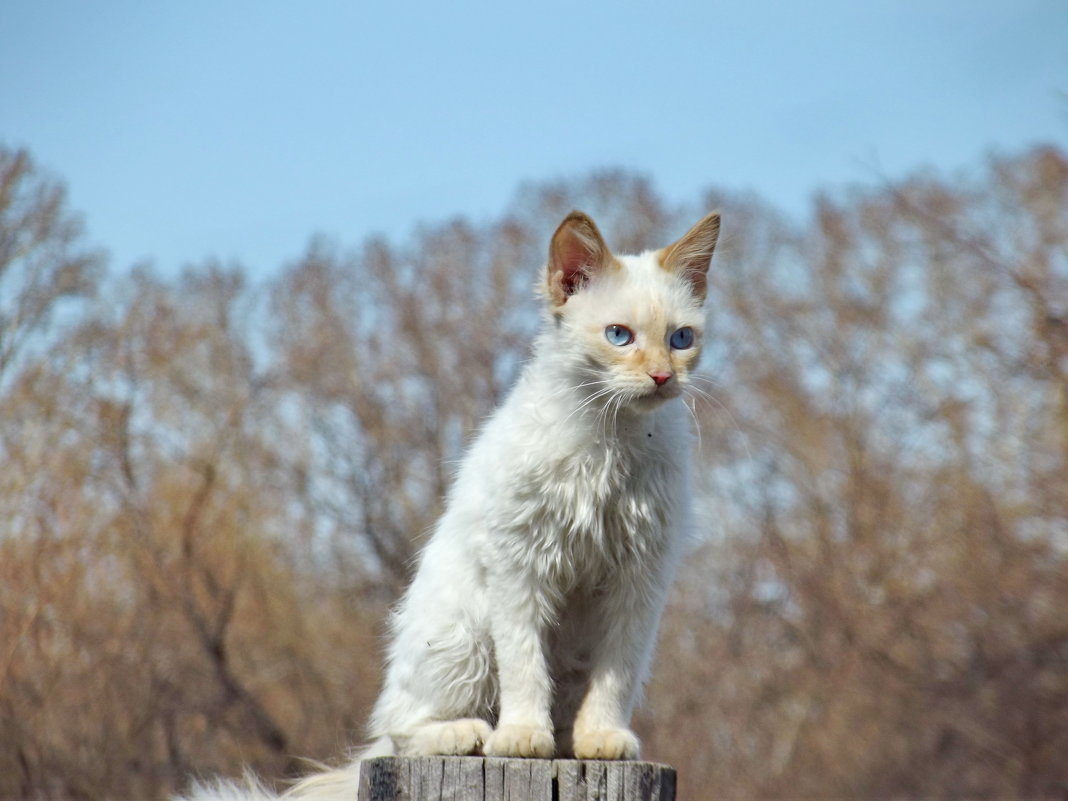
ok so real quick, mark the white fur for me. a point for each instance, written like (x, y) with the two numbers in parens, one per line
(530, 624)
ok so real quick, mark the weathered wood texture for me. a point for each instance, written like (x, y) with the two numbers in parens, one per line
(487, 779)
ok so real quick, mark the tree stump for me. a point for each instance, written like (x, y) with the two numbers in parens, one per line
(490, 779)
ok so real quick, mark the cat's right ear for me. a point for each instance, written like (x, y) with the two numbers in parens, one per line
(576, 252)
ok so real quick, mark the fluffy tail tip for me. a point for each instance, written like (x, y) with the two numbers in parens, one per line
(249, 789)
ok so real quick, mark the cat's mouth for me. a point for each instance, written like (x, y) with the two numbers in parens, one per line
(657, 394)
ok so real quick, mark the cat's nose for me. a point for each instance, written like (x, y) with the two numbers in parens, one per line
(660, 378)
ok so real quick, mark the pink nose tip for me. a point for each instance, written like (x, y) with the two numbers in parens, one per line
(660, 378)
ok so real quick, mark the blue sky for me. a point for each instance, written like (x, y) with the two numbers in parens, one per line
(237, 130)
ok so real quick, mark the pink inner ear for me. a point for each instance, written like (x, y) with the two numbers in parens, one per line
(576, 252)
(576, 269)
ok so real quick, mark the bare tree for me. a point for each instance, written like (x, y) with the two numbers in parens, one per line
(42, 259)
(210, 491)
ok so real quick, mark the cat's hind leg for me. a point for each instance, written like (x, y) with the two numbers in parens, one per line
(440, 688)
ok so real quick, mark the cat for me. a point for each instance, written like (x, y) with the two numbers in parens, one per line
(529, 626)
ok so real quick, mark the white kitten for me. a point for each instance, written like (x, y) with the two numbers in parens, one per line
(529, 626)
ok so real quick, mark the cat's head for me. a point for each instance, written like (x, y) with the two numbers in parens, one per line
(630, 325)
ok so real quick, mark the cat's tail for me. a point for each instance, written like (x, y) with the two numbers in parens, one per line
(339, 784)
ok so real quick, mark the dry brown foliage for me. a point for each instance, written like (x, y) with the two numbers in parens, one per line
(211, 492)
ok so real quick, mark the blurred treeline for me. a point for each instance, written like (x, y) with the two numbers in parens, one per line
(211, 489)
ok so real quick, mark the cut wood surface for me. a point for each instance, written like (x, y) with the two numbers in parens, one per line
(489, 779)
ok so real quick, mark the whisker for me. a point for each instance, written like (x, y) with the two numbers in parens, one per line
(716, 403)
(590, 400)
(696, 423)
(611, 410)
(602, 415)
(575, 388)
(708, 380)
(615, 405)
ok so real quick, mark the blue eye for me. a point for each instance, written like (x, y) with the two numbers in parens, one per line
(619, 335)
(682, 338)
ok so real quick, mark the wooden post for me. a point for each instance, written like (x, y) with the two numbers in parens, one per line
(486, 779)
(489, 779)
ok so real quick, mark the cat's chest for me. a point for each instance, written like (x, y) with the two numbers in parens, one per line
(603, 474)
(590, 506)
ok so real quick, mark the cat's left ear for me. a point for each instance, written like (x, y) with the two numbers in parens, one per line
(576, 253)
(691, 256)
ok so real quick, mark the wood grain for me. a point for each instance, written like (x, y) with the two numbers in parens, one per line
(488, 779)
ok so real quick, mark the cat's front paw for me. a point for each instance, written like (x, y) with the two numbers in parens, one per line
(520, 741)
(449, 738)
(606, 744)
